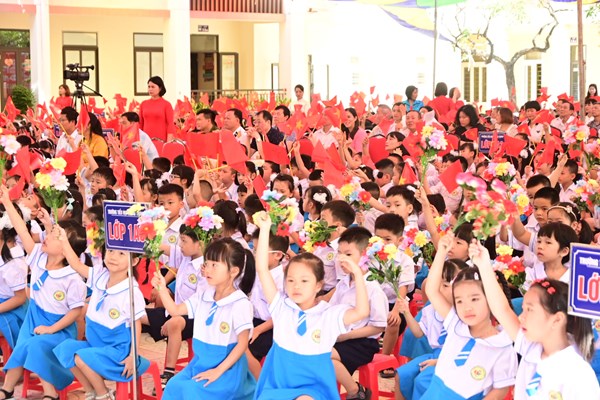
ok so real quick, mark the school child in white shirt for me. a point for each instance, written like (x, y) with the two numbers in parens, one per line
(340, 214)
(477, 359)
(187, 259)
(431, 326)
(358, 346)
(555, 347)
(390, 227)
(234, 221)
(553, 250)
(299, 364)
(222, 318)
(401, 201)
(13, 281)
(57, 297)
(106, 351)
(262, 335)
(313, 201)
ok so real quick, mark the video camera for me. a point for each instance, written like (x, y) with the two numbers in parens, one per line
(77, 73)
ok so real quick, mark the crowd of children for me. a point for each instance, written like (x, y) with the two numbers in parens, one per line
(292, 310)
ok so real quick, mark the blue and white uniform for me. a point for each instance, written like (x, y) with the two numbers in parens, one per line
(217, 325)
(469, 368)
(13, 277)
(189, 279)
(538, 271)
(53, 294)
(170, 237)
(327, 255)
(563, 375)
(413, 381)
(300, 344)
(107, 329)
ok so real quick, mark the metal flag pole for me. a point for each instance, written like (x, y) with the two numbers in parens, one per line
(133, 328)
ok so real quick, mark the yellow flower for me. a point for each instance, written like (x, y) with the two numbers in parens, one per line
(438, 220)
(43, 180)
(308, 227)
(390, 250)
(292, 212)
(160, 226)
(522, 201)
(346, 190)
(308, 246)
(58, 163)
(374, 239)
(508, 273)
(134, 209)
(427, 131)
(504, 250)
(420, 239)
(502, 169)
(580, 136)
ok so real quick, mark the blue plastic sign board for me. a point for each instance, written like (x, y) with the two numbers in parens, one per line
(584, 290)
(485, 141)
(107, 131)
(121, 230)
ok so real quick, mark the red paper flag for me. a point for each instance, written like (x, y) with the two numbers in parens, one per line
(73, 160)
(448, 177)
(10, 109)
(235, 155)
(83, 120)
(335, 158)
(306, 147)
(171, 150)
(375, 101)
(372, 90)
(206, 145)
(412, 144)
(332, 176)
(377, 150)
(23, 167)
(574, 153)
(547, 156)
(472, 134)
(544, 116)
(452, 141)
(543, 97)
(330, 103)
(15, 192)
(319, 154)
(130, 135)
(275, 153)
(259, 185)
(272, 103)
(133, 156)
(119, 171)
(385, 124)
(204, 99)
(513, 145)
(408, 176)
(524, 128)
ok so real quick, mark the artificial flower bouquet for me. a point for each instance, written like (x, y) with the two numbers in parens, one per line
(417, 244)
(518, 195)
(433, 141)
(53, 184)
(282, 211)
(315, 234)
(380, 260)
(355, 195)
(204, 223)
(503, 170)
(592, 153)
(511, 267)
(152, 223)
(95, 238)
(575, 134)
(587, 195)
(8, 148)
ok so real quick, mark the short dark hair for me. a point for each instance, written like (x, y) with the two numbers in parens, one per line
(157, 80)
(286, 111)
(532, 104)
(548, 193)
(299, 87)
(208, 114)
(341, 211)
(441, 89)
(563, 234)
(171, 188)
(184, 172)
(162, 164)
(284, 178)
(390, 222)
(131, 116)
(357, 235)
(467, 145)
(237, 113)
(537, 180)
(266, 116)
(70, 113)
(107, 174)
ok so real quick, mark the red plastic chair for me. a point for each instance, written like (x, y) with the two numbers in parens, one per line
(125, 389)
(34, 384)
(159, 144)
(368, 375)
(172, 149)
(6, 350)
(182, 362)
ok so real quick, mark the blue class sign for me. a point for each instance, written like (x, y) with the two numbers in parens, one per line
(121, 230)
(485, 141)
(584, 290)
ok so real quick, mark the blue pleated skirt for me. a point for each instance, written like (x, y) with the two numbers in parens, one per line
(11, 321)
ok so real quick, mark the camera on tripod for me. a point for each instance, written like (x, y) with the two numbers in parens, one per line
(77, 73)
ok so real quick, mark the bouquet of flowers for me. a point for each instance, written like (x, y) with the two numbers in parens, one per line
(204, 223)
(587, 195)
(433, 140)
(380, 258)
(356, 196)
(504, 171)
(417, 244)
(592, 153)
(511, 267)
(518, 195)
(487, 214)
(442, 222)
(315, 234)
(576, 134)
(471, 185)
(53, 184)
(282, 211)
(8, 147)
(152, 223)
(95, 238)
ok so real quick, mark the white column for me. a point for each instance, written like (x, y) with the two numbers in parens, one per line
(40, 52)
(177, 51)
(293, 60)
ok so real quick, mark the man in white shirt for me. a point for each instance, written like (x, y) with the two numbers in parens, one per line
(326, 135)
(129, 118)
(565, 112)
(232, 121)
(70, 138)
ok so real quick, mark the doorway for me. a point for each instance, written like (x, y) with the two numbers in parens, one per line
(15, 62)
(211, 70)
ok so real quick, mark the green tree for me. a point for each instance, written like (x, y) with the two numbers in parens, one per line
(23, 98)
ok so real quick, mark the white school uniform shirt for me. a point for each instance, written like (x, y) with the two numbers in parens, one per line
(432, 325)
(538, 271)
(257, 297)
(566, 195)
(386, 187)
(189, 279)
(327, 254)
(345, 293)
(324, 323)
(170, 237)
(63, 143)
(232, 317)
(564, 375)
(326, 138)
(62, 291)
(115, 309)
(407, 277)
(232, 192)
(238, 237)
(371, 216)
(13, 274)
(492, 363)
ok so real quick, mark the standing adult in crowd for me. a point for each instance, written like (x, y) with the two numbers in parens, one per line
(156, 113)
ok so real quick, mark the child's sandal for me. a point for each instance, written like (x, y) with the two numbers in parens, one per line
(388, 373)
(7, 395)
(90, 395)
(107, 396)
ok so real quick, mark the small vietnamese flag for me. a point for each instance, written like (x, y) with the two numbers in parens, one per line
(448, 177)
(10, 109)
(84, 119)
(408, 175)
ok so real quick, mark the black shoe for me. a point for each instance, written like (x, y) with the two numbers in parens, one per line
(388, 373)
(362, 394)
(8, 395)
(164, 379)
